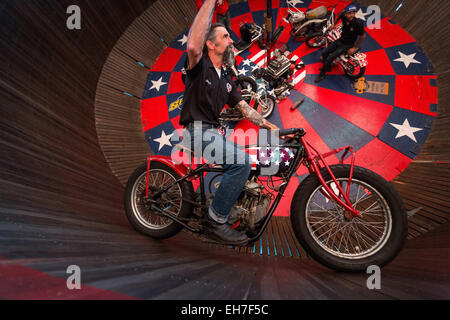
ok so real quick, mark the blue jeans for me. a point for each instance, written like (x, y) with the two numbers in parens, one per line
(215, 148)
(334, 50)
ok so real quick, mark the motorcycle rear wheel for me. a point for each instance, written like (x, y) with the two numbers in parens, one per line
(138, 211)
(340, 242)
(357, 73)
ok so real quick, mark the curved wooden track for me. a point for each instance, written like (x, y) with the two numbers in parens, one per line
(69, 109)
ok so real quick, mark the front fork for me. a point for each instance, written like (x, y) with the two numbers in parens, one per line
(314, 158)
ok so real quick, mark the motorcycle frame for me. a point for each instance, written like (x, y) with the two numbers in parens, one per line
(305, 154)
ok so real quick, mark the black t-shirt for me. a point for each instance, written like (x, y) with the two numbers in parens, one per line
(206, 95)
(351, 30)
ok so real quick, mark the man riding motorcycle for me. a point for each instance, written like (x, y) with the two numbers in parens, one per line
(208, 89)
(352, 28)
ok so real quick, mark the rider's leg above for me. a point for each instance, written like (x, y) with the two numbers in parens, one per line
(342, 48)
(328, 50)
(215, 148)
(237, 164)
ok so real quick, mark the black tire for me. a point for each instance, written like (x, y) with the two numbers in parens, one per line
(245, 83)
(353, 76)
(270, 103)
(394, 230)
(140, 215)
(316, 40)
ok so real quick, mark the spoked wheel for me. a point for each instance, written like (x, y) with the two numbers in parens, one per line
(342, 242)
(244, 83)
(316, 40)
(139, 208)
(267, 104)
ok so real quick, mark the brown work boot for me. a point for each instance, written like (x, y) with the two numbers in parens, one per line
(223, 232)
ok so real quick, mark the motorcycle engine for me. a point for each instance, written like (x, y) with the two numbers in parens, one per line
(251, 207)
(279, 71)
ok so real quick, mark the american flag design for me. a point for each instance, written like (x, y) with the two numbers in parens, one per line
(264, 157)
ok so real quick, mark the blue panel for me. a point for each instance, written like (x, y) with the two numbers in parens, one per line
(157, 132)
(343, 84)
(334, 130)
(180, 64)
(414, 126)
(239, 9)
(150, 91)
(178, 43)
(415, 61)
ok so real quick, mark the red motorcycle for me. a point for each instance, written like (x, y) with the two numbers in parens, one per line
(345, 216)
(353, 65)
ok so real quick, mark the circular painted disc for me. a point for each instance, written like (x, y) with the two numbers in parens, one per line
(387, 122)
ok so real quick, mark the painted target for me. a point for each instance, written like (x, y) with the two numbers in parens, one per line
(386, 116)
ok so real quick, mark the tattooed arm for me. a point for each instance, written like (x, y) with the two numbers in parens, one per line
(253, 116)
(197, 34)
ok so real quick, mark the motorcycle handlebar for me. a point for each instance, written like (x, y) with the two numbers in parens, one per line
(286, 132)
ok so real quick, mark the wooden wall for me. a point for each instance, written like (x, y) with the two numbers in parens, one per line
(50, 157)
(425, 184)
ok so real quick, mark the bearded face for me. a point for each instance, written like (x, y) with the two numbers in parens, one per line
(229, 58)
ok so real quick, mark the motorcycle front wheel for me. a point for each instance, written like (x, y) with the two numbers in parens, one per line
(138, 208)
(316, 40)
(267, 104)
(336, 239)
(246, 83)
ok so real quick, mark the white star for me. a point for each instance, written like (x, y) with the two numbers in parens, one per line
(243, 71)
(255, 67)
(267, 162)
(294, 2)
(256, 161)
(157, 84)
(183, 40)
(405, 130)
(407, 59)
(246, 62)
(164, 140)
(261, 154)
(287, 163)
(277, 163)
(291, 155)
(361, 15)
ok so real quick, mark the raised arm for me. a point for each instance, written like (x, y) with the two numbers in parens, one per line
(254, 117)
(197, 34)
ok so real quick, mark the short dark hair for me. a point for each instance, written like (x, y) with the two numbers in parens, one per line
(212, 35)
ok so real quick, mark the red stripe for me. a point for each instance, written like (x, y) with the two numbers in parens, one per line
(23, 283)
(368, 115)
(415, 93)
